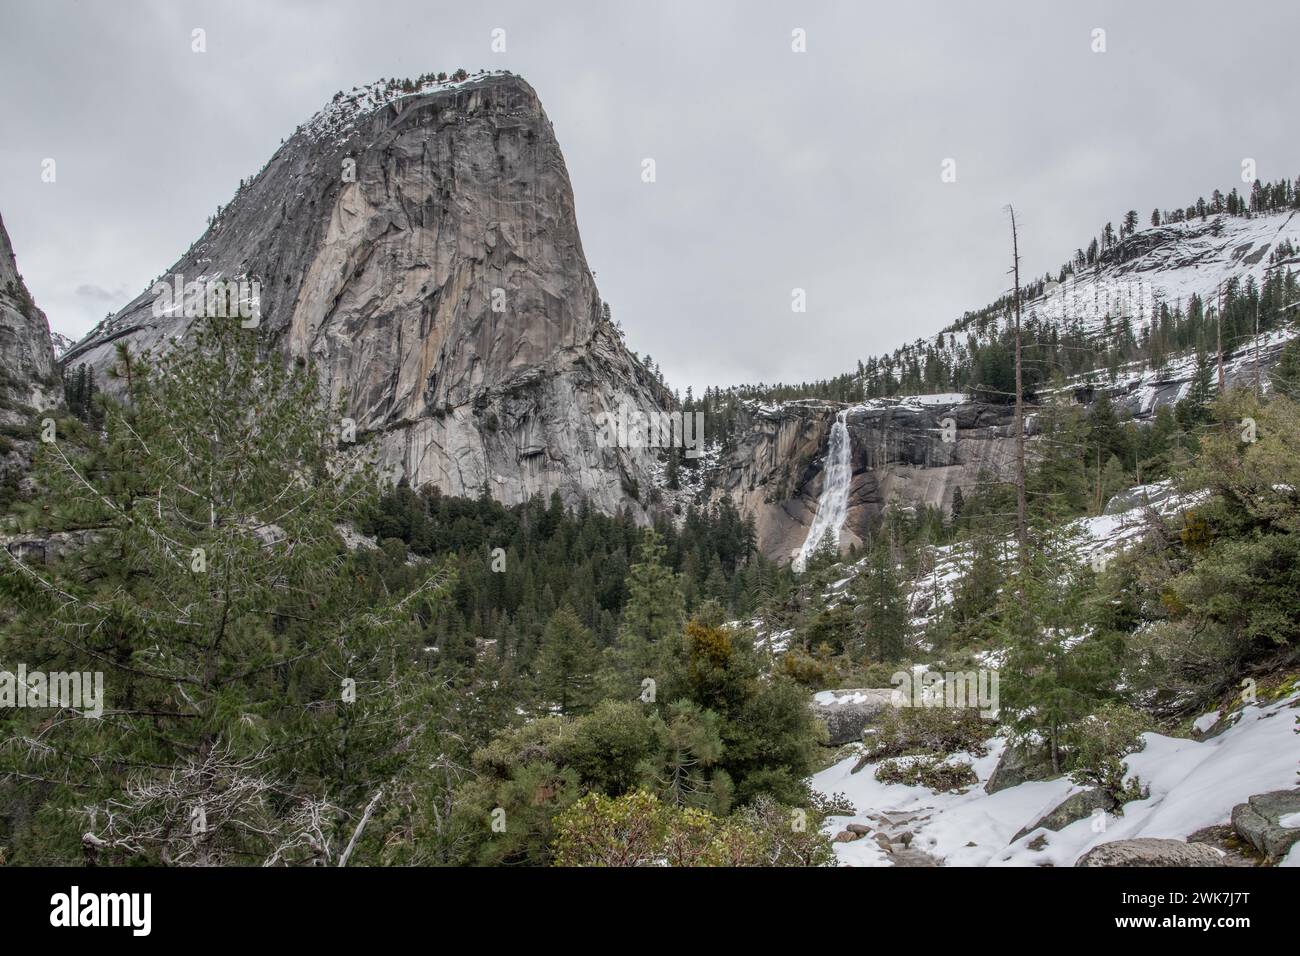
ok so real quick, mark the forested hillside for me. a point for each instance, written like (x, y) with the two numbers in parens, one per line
(455, 681)
(442, 694)
(1214, 274)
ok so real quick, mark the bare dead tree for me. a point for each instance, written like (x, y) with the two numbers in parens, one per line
(361, 827)
(1218, 331)
(211, 811)
(1022, 529)
(1259, 389)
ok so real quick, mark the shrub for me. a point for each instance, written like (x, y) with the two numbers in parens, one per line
(637, 829)
(791, 836)
(806, 670)
(927, 771)
(1098, 745)
(608, 747)
(929, 730)
(836, 805)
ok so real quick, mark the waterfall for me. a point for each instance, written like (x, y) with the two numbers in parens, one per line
(833, 506)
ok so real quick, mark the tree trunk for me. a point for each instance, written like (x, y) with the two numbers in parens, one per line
(1056, 750)
(1022, 531)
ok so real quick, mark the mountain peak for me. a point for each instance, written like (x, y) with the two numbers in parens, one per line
(417, 242)
(338, 118)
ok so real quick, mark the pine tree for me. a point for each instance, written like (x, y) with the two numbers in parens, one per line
(883, 607)
(652, 621)
(255, 693)
(689, 747)
(1194, 410)
(1055, 674)
(671, 471)
(1285, 376)
(976, 593)
(567, 663)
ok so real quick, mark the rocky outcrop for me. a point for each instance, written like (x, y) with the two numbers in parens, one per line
(1077, 806)
(904, 453)
(1144, 496)
(29, 378)
(1236, 851)
(773, 472)
(28, 374)
(421, 249)
(847, 713)
(46, 548)
(1019, 764)
(1148, 851)
(1270, 822)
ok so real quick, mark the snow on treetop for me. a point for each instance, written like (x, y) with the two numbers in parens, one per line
(342, 113)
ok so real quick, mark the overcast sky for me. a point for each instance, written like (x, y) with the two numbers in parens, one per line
(775, 169)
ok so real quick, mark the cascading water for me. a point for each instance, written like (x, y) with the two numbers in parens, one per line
(833, 506)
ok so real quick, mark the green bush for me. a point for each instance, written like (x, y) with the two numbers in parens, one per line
(638, 829)
(938, 731)
(1097, 746)
(806, 670)
(926, 771)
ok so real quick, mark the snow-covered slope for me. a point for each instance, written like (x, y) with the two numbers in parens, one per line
(1096, 540)
(1169, 264)
(1141, 389)
(1192, 784)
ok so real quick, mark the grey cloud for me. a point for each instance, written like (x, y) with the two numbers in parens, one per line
(775, 169)
(99, 293)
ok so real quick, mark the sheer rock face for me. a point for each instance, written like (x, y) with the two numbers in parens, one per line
(29, 379)
(422, 251)
(899, 456)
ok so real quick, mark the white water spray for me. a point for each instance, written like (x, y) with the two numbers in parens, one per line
(833, 506)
